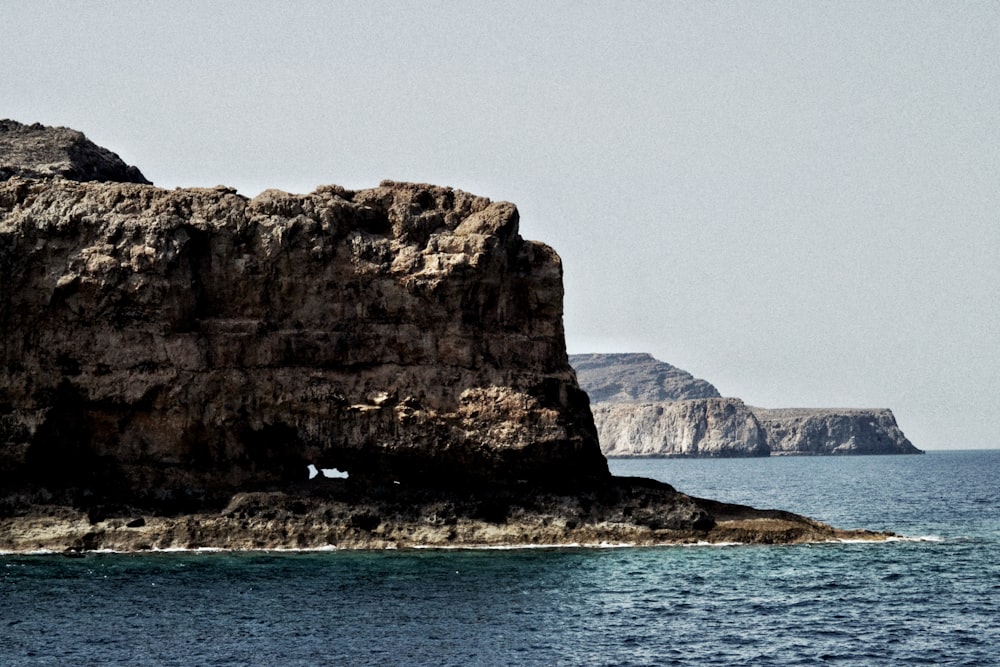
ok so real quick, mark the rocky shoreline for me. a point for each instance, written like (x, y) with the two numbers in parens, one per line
(177, 366)
(628, 513)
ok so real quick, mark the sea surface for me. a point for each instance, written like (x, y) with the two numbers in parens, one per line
(933, 598)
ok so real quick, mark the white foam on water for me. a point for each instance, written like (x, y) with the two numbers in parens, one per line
(470, 547)
(916, 538)
(569, 545)
(496, 547)
(891, 538)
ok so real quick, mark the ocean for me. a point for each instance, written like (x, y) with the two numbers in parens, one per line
(931, 598)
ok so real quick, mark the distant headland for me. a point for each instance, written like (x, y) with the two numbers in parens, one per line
(646, 407)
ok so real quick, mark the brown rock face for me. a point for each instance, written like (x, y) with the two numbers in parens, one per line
(168, 348)
(176, 367)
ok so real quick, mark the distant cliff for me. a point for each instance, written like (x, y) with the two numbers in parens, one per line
(645, 407)
(636, 377)
(827, 431)
(708, 427)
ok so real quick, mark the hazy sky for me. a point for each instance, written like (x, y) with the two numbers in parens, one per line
(798, 201)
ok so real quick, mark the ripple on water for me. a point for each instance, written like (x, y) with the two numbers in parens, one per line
(916, 601)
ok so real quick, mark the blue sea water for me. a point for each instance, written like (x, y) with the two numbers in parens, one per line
(933, 600)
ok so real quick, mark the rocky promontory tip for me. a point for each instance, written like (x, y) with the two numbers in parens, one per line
(181, 365)
(821, 431)
(37, 151)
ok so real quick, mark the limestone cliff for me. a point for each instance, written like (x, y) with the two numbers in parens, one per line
(172, 346)
(826, 431)
(710, 427)
(630, 422)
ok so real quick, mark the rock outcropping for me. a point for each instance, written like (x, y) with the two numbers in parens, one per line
(165, 346)
(37, 151)
(644, 407)
(176, 365)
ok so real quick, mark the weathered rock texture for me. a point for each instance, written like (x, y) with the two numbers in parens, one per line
(824, 431)
(160, 346)
(36, 151)
(636, 377)
(626, 511)
(709, 427)
(172, 362)
(631, 422)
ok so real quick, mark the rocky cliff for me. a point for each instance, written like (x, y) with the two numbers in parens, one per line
(826, 431)
(164, 346)
(709, 427)
(177, 369)
(631, 422)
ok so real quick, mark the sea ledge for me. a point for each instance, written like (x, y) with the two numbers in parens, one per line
(278, 522)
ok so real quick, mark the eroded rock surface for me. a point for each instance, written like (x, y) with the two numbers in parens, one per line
(37, 151)
(172, 347)
(625, 511)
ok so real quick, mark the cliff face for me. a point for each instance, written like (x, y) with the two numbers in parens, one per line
(679, 424)
(171, 347)
(711, 427)
(819, 431)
